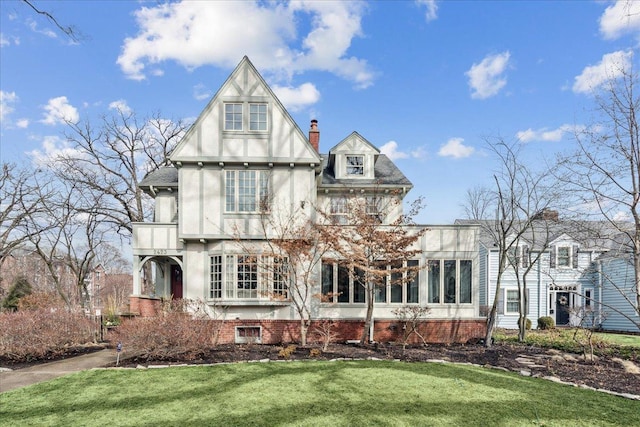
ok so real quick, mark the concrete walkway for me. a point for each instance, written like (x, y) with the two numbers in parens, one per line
(10, 380)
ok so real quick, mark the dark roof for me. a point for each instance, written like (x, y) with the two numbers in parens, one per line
(166, 176)
(385, 172)
(596, 235)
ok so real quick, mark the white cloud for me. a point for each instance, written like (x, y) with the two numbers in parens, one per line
(456, 149)
(432, 9)
(22, 123)
(612, 66)
(58, 110)
(545, 134)
(7, 99)
(621, 18)
(194, 34)
(121, 106)
(201, 92)
(296, 98)
(53, 147)
(390, 149)
(486, 78)
(4, 41)
(45, 32)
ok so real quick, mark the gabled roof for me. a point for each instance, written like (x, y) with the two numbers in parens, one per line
(245, 82)
(386, 173)
(590, 235)
(346, 144)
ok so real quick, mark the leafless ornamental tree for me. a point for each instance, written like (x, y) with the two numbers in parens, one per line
(603, 174)
(506, 213)
(372, 250)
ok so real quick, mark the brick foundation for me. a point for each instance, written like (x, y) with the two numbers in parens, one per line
(143, 305)
(442, 331)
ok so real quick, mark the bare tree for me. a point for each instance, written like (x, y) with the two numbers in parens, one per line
(65, 234)
(507, 213)
(603, 174)
(109, 160)
(20, 197)
(371, 251)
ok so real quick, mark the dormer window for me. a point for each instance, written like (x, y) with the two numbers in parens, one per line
(563, 256)
(355, 165)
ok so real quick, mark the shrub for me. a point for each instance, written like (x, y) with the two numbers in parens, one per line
(168, 336)
(527, 324)
(42, 333)
(287, 351)
(546, 322)
(315, 352)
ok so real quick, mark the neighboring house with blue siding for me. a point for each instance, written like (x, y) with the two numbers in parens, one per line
(559, 257)
(615, 293)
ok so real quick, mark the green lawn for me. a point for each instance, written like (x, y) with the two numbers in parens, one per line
(620, 339)
(313, 393)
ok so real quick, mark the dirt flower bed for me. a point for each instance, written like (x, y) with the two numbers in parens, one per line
(606, 372)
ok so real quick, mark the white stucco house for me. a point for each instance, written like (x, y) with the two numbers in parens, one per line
(245, 149)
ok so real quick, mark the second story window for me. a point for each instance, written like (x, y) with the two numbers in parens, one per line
(246, 191)
(257, 116)
(563, 256)
(339, 210)
(355, 165)
(232, 116)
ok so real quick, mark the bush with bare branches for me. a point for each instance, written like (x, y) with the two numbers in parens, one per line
(42, 333)
(177, 332)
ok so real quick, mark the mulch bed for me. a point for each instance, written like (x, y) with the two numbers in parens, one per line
(604, 373)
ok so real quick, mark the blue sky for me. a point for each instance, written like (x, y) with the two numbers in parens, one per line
(425, 81)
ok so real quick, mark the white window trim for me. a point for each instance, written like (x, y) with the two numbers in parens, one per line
(362, 166)
(244, 339)
(228, 279)
(224, 116)
(266, 119)
(570, 257)
(507, 300)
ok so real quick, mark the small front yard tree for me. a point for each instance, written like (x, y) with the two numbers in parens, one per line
(290, 257)
(372, 249)
(508, 212)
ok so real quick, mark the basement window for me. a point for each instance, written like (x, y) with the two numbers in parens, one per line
(248, 334)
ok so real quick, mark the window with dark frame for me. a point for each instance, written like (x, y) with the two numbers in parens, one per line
(355, 165)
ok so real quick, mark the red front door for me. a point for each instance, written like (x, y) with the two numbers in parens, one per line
(176, 281)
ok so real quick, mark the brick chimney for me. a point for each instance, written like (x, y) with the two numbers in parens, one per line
(314, 135)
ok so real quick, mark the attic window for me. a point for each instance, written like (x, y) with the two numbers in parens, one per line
(232, 116)
(257, 116)
(355, 165)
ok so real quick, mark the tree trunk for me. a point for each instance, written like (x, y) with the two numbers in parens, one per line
(367, 321)
(522, 318)
(304, 327)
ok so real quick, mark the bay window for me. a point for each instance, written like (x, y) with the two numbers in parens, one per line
(248, 277)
